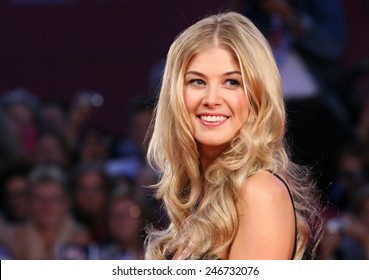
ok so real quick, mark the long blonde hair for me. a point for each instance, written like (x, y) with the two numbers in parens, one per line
(259, 146)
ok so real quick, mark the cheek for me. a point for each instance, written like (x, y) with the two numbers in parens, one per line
(190, 101)
(242, 107)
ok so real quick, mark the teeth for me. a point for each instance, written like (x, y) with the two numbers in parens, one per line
(213, 118)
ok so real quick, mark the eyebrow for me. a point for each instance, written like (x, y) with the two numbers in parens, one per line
(203, 75)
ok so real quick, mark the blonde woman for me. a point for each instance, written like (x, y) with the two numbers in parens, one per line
(227, 183)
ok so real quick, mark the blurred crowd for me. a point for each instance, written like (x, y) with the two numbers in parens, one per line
(67, 192)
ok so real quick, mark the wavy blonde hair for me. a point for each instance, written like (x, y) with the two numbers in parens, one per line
(259, 146)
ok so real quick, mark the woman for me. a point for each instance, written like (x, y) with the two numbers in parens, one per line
(228, 186)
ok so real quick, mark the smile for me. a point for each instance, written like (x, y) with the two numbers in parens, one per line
(213, 118)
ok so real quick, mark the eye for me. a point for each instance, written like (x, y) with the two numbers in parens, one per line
(197, 82)
(232, 83)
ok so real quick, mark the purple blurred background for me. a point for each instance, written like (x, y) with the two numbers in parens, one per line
(54, 50)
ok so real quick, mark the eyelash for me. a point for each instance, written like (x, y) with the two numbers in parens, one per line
(234, 83)
(196, 82)
(229, 82)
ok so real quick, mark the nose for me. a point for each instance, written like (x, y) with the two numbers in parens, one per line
(212, 97)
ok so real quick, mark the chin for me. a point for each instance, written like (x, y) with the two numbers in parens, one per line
(212, 145)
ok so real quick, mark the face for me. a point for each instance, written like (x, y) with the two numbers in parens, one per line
(49, 204)
(215, 99)
(94, 148)
(90, 194)
(49, 151)
(124, 220)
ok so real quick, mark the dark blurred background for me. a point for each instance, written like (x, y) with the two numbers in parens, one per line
(54, 50)
(77, 83)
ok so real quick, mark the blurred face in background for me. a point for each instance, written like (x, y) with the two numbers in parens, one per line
(49, 204)
(91, 194)
(16, 189)
(21, 116)
(53, 117)
(50, 151)
(94, 146)
(124, 220)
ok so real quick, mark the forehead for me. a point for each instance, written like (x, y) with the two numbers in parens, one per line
(47, 187)
(214, 58)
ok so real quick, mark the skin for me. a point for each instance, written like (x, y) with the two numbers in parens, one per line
(49, 205)
(49, 209)
(266, 227)
(90, 195)
(125, 221)
(214, 87)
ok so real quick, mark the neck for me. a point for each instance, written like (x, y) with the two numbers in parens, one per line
(209, 154)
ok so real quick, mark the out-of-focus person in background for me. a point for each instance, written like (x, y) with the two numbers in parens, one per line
(51, 225)
(83, 105)
(20, 124)
(129, 151)
(347, 235)
(94, 146)
(139, 118)
(126, 216)
(53, 116)
(129, 157)
(90, 187)
(8, 147)
(14, 200)
(52, 150)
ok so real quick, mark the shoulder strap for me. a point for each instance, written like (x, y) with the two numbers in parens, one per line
(294, 211)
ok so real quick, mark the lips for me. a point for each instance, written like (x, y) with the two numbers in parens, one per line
(212, 119)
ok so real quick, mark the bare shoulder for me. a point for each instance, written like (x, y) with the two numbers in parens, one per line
(265, 220)
(263, 189)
